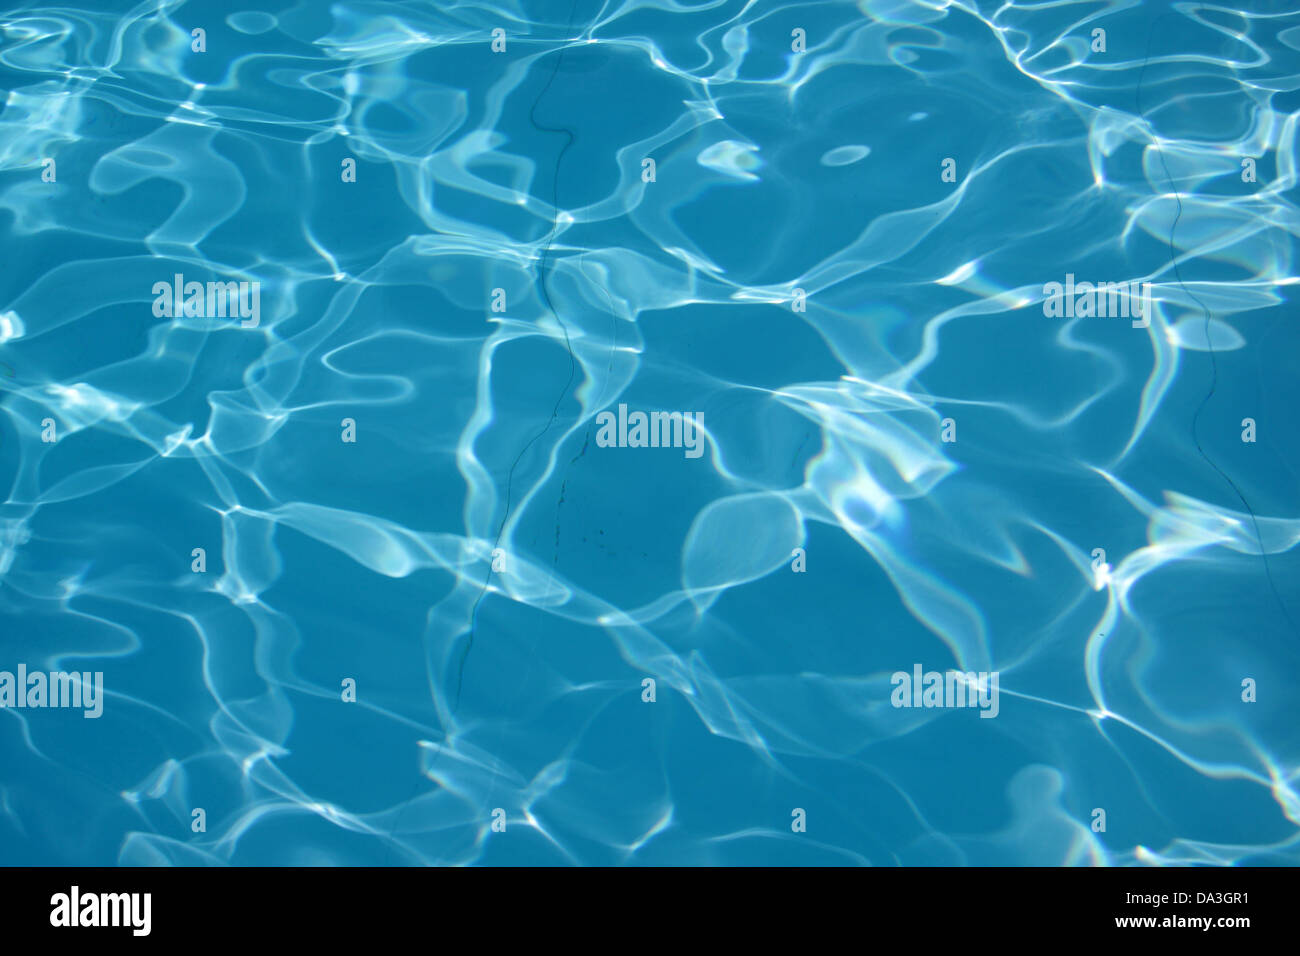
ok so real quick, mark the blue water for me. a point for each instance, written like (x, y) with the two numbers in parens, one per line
(430, 595)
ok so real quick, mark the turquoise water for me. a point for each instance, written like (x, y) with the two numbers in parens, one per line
(432, 590)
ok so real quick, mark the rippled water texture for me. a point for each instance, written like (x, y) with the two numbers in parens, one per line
(842, 259)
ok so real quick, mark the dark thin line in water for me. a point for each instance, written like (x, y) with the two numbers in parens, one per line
(586, 442)
(1209, 341)
(555, 411)
(546, 251)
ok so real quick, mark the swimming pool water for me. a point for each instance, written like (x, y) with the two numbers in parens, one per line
(621, 404)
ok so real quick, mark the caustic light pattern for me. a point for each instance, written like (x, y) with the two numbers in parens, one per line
(649, 432)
